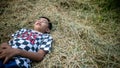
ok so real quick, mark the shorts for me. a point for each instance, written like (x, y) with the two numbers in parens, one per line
(10, 64)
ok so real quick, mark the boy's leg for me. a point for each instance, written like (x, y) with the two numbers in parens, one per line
(11, 64)
(1, 64)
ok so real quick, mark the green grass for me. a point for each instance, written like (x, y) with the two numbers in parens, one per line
(86, 32)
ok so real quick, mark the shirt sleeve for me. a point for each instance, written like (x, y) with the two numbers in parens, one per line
(46, 44)
(19, 32)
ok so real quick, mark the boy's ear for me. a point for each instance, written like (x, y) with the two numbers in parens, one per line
(48, 30)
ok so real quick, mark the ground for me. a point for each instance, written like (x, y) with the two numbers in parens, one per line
(86, 32)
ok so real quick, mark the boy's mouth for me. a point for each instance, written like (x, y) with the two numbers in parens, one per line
(38, 24)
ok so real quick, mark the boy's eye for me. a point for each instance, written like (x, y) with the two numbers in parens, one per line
(43, 21)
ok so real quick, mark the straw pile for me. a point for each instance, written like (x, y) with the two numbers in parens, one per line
(86, 35)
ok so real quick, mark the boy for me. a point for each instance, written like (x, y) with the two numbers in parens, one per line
(27, 45)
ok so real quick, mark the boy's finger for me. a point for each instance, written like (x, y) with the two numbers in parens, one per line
(0, 51)
(5, 60)
(2, 56)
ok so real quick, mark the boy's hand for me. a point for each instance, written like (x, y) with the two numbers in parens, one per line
(4, 45)
(6, 52)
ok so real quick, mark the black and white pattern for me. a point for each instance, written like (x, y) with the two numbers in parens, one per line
(29, 40)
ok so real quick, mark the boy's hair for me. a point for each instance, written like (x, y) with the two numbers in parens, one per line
(49, 23)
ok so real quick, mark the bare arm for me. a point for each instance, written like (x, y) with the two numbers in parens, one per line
(35, 56)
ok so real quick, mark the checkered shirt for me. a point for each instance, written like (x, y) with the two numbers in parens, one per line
(31, 41)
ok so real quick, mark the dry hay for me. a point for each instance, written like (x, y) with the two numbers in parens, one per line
(77, 43)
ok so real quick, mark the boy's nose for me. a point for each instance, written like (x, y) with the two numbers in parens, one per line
(39, 21)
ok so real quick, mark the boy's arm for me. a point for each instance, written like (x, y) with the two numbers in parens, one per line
(8, 52)
(35, 56)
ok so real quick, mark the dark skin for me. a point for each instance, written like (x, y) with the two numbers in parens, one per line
(7, 52)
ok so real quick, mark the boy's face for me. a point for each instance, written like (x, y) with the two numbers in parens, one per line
(41, 25)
